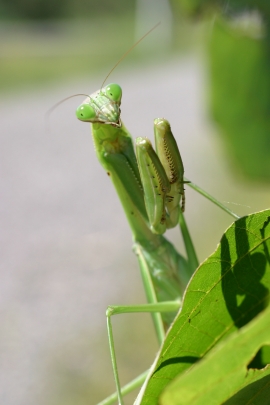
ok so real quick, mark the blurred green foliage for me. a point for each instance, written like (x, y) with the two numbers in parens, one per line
(229, 7)
(50, 9)
(239, 62)
(240, 96)
(36, 53)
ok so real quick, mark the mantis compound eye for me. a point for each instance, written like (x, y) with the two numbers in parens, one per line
(114, 92)
(85, 113)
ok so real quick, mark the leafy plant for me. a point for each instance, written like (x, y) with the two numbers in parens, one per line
(238, 44)
(216, 351)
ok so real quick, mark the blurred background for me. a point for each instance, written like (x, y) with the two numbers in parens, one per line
(66, 247)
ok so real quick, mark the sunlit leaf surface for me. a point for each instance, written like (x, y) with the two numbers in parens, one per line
(219, 375)
(227, 291)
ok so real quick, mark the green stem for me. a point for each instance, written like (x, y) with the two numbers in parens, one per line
(209, 197)
(191, 254)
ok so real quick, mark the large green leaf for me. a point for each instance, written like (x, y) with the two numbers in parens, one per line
(227, 291)
(219, 375)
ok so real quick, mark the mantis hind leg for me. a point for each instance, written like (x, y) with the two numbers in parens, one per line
(170, 306)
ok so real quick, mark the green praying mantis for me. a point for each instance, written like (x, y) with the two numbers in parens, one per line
(150, 186)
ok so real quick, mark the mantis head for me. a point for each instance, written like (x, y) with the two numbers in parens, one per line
(103, 106)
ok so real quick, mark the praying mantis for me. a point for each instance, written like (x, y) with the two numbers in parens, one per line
(150, 189)
(150, 186)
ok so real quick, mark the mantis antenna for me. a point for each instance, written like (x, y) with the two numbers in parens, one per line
(128, 51)
(48, 113)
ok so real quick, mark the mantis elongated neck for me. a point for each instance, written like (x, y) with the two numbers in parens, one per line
(115, 151)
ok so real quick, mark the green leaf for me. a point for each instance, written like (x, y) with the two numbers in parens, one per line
(227, 291)
(219, 375)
